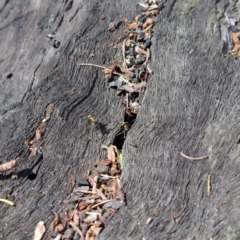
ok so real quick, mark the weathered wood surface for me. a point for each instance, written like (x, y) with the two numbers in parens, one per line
(191, 105)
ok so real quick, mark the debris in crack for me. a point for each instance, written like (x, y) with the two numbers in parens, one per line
(98, 195)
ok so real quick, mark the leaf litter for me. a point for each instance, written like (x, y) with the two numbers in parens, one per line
(98, 194)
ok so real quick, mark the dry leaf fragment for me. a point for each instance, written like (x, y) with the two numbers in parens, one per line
(127, 73)
(34, 151)
(102, 17)
(111, 154)
(140, 85)
(8, 165)
(82, 205)
(55, 221)
(133, 25)
(39, 231)
(103, 163)
(114, 25)
(149, 21)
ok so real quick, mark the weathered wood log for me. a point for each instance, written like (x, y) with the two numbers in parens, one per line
(191, 105)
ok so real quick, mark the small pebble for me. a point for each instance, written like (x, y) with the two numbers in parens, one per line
(84, 227)
(114, 204)
(103, 169)
(69, 233)
(82, 216)
(86, 188)
(76, 236)
(82, 182)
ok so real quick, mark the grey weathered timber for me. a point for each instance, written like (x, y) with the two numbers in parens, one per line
(191, 105)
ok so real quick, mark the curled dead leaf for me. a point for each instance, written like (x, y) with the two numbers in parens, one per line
(55, 221)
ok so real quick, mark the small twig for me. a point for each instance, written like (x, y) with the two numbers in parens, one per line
(94, 65)
(193, 158)
(93, 213)
(177, 215)
(77, 229)
(95, 183)
(100, 193)
(84, 191)
(127, 100)
(123, 53)
(209, 185)
(103, 202)
(82, 199)
(107, 176)
(7, 201)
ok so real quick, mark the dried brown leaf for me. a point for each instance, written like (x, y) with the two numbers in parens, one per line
(82, 205)
(39, 231)
(107, 71)
(103, 163)
(140, 85)
(55, 221)
(148, 28)
(127, 73)
(113, 25)
(133, 25)
(149, 21)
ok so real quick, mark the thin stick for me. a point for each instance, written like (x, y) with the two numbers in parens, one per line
(193, 158)
(123, 53)
(82, 199)
(209, 185)
(7, 201)
(106, 201)
(77, 229)
(84, 191)
(177, 215)
(94, 65)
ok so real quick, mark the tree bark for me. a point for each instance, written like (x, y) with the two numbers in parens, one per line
(191, 105)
